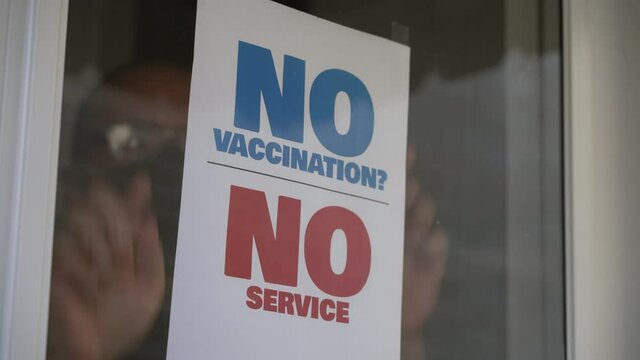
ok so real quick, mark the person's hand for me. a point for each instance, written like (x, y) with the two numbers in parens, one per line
(107, 282)
(425, 253)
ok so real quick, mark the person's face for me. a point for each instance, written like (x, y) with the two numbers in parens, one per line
(135, 123)
(137, 115)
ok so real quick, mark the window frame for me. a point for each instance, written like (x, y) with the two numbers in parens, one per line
(32, 54)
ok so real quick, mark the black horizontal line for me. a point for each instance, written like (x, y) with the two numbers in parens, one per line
(299, 182)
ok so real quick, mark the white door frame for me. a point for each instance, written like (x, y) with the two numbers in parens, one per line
(602, 102)
(31, 73)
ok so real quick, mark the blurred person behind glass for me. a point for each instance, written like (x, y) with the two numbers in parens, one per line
(425, 255)
(117, 217)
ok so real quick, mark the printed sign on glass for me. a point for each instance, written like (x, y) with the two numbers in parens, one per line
(291, 225)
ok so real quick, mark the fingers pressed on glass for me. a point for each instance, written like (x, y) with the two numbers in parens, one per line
(138, 200)
(148, 255)
(73, 269)
(118, 225)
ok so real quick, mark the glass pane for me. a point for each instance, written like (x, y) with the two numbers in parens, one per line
(483, 273)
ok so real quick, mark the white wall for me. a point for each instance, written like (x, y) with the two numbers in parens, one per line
(603, 99)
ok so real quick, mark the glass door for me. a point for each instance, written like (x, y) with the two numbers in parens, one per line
(483, 260)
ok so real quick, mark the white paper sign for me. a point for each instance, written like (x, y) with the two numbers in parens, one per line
(291, 226)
